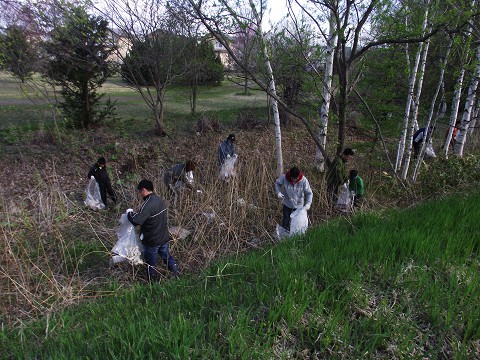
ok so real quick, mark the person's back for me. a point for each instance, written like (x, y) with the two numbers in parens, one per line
(152, 218)
(226, 149)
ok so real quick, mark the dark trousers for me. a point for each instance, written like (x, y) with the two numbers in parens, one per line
(286, 212)
(150, 255)
(104, 189)
(417, 146)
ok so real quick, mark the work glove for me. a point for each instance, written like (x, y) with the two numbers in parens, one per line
(307, 207)
(129, 211)
(92, 177)
(280, 195)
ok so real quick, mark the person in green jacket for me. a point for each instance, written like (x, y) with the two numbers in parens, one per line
(337, 175)
(356, 186)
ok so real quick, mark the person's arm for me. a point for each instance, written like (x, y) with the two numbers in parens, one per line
(139, 217)
(278, 184)
(360, 189)
(91, 172)
(307, 190)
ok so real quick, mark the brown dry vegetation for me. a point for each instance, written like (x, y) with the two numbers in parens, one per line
(55, 252)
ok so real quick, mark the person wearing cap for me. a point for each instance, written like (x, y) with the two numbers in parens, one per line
(226, 149)
(152, 218)
(99, 172)
(356, 186)
(337, 175)
(295, 192)
(182, 172)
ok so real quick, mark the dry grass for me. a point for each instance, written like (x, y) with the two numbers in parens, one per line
(55, 252)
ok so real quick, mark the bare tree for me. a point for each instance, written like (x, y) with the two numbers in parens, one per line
(162, 35)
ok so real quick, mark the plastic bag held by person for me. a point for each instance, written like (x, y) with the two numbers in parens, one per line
(429, 152)
(94, 199)
(344, 202)
(128, 246)
(228, 168)
(298, 221)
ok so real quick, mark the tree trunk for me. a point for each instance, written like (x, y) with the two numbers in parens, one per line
(432, 107)
(319, 161)
(158, 113)
(455, 104)
(467, 112)
(411, 88)
(416, 103)
(193, 100)
(476, 113)
(273, 91)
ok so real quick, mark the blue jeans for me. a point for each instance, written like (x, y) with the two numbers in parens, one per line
(150, 255)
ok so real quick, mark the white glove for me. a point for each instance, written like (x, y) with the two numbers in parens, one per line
(307, 207)
(228, 156)
(129, 211)
(92, 177)
(280, 195)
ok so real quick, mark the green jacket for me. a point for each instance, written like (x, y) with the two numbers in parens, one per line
(337, 172)
(357, 186)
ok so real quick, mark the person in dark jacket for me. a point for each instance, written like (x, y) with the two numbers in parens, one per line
(337, 175)
(152, 218)
(421, 135)
(99, 172)
(226, 149)
(180, 172)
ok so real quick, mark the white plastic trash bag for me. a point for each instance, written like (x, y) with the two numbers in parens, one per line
(93, 200)
(128, 246)
(228, 168)
(429, 152)
(345, 199)
(281, 232)
(189, 178)
(298, 221)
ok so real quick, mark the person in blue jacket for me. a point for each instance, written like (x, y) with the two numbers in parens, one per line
(226, 149)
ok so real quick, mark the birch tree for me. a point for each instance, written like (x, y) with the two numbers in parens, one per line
(467, 112)
(432, 106)
(410, 99)
(319, 162)
(416, 103)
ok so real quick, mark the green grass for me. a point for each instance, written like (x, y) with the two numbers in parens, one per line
(398, 284)
(19, 114)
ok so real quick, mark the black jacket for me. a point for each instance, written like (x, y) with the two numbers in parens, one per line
(100, 175)
(152, 218)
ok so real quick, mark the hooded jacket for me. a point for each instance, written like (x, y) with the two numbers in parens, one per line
(294, 191)
(152, 218)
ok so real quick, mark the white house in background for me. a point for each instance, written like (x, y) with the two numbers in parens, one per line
(123, 45)
(221, 52)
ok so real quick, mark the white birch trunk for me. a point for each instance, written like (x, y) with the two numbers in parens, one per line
(319, 161)
(455, 106)
(473, 123)
(272, 90)
(416, 104)
(441, 111)
(467, 112)
(411, 88)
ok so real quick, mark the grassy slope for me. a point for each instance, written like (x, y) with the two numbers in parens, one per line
(403, 284)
